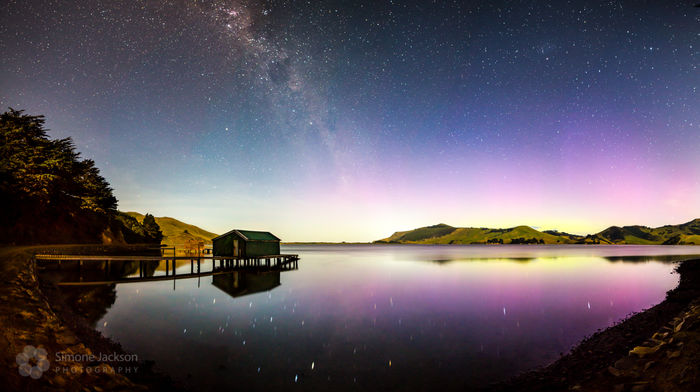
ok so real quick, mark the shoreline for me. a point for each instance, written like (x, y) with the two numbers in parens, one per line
(656, 349)
(32, 313)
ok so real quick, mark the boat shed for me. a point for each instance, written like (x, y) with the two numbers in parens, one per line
(246, 244)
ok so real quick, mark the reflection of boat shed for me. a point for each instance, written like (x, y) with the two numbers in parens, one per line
(239, 283)
(246, 244)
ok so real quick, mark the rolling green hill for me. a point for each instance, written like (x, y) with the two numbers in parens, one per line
(445, 234)
(683, 234)
(176, 232)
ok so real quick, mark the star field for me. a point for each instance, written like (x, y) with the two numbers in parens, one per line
(351, 120)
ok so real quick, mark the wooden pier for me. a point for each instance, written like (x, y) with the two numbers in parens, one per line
(260, 260)
(199, 266)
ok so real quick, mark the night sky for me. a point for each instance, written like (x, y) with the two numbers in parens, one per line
(351, 120)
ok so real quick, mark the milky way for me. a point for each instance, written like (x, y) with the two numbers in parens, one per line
(350, 120)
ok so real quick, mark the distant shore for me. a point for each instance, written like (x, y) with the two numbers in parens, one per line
(682, 234)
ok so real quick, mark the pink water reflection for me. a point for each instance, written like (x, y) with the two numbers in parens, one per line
(408, 317)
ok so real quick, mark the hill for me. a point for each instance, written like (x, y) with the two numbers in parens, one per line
(683, 234)
(176, 232)
(445, 234)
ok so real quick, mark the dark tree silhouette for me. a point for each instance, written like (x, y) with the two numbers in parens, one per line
(48, 194)
(152, 228)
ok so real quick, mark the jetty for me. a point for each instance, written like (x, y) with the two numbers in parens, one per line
(146, 268)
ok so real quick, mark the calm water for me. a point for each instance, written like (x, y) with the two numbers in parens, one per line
(356, 317)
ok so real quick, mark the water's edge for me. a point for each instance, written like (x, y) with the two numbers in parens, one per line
(56, 327)
(603, 361)
(31, 313)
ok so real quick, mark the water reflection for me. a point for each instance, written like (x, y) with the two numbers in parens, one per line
(111, 272)
(384, 317)
(645, 259)
(91, 287)
(624, 259)
(75, 271)
(240, 283)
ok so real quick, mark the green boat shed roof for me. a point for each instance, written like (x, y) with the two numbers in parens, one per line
(250, 235)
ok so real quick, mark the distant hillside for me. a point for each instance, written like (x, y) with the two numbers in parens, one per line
(684, 234)
(176, 232)
(445, 234)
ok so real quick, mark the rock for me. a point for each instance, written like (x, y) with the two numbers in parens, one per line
(76, 370)
(106, 368)
(60, 381)
(642, 351)
(79, 348)
(625, 363)
(684, 372)
(615, 372)
(679, 326)
(24, 314)
(648, 365)
(66, 339)
(674, 354)
(660, 336)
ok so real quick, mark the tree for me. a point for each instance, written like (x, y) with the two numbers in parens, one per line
(152, 228)
(48, 193)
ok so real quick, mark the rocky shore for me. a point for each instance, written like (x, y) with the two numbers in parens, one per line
(654, 350)
(79, 358)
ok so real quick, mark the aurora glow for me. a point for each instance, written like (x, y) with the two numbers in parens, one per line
(332, 121)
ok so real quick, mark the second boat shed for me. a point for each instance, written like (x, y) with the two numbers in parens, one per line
(246, 244)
